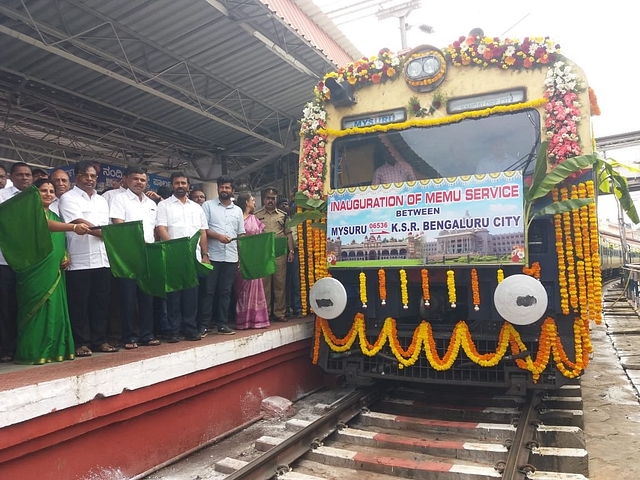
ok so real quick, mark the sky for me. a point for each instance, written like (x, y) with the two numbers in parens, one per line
(596, 36)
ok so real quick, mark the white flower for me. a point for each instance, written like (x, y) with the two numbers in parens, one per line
(378, 64)
(510, 51)
(532, 48)
(481, 49)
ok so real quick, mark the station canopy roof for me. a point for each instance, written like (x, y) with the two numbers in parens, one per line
(166, 84)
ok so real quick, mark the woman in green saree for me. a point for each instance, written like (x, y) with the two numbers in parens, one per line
(44, 330)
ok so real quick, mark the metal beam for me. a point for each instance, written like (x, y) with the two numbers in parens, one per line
(260, 163)
(177, 57)
(127, 81)
(52, 101)
(279, 51)
(621, 140)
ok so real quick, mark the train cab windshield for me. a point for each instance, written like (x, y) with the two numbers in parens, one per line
(485, 145)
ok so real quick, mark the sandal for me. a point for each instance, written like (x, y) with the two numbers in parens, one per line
(130, 346)
(150, 343)
(83, 351)
(106, 348)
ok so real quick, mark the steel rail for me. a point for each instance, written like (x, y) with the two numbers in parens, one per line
(517, 465)
(266, 466)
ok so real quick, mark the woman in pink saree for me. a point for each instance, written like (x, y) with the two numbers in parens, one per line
(251, 305)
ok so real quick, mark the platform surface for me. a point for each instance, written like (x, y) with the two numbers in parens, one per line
(29, 391)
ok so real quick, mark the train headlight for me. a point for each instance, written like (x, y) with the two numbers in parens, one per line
(414, 69)
(431, 65)
(520, 299)
(425, 68)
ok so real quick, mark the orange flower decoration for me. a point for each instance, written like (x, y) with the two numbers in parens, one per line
(475, 288)
(382, 286)
(425, 287)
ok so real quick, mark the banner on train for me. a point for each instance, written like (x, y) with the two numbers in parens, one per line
(468, 220)
(109, 174)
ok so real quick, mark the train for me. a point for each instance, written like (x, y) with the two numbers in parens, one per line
(611, 258)
(447, 222)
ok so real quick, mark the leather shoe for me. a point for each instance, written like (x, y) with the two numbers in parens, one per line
(281, 319)
(225, 330)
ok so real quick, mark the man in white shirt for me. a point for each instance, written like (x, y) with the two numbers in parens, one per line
(180, 217)
(225, 224)
(62, 184)
(20, 176)
(114, 192)
(88, 274)
(130, 206)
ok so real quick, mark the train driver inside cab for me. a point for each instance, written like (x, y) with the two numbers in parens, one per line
(395, 169)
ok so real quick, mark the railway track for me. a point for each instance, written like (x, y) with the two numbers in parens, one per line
(424, 432)
(429, 433)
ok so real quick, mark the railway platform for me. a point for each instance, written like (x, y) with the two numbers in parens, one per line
(610, 389)
(114, 415)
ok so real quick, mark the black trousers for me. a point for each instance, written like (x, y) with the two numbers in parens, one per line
(8, 311)
(132, 297)
(88, 298)
(218, 285)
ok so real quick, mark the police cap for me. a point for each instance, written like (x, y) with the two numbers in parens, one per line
(270, 190)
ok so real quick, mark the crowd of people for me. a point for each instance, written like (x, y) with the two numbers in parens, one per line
(69, 305)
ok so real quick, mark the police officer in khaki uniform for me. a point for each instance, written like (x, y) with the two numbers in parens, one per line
(275, 285)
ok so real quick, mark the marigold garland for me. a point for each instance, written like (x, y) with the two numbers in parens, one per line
(569, 252)
(429, 122)
(382, 286)
(451, 287)
(311, 279)
(475, 288)
(588, 260)
(426, 294)
(363, 289)
(562, 278)
(500, 275)
(533, 270)
(404, 293)
(595, 255)
(549, 346)
(302, 249)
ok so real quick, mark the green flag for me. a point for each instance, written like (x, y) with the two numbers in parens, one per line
(154, 284)
(201, 268)
(24, 233)
(179, 263)
(173, 266)
(281, 246)
(257, 255)
(126, 249)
